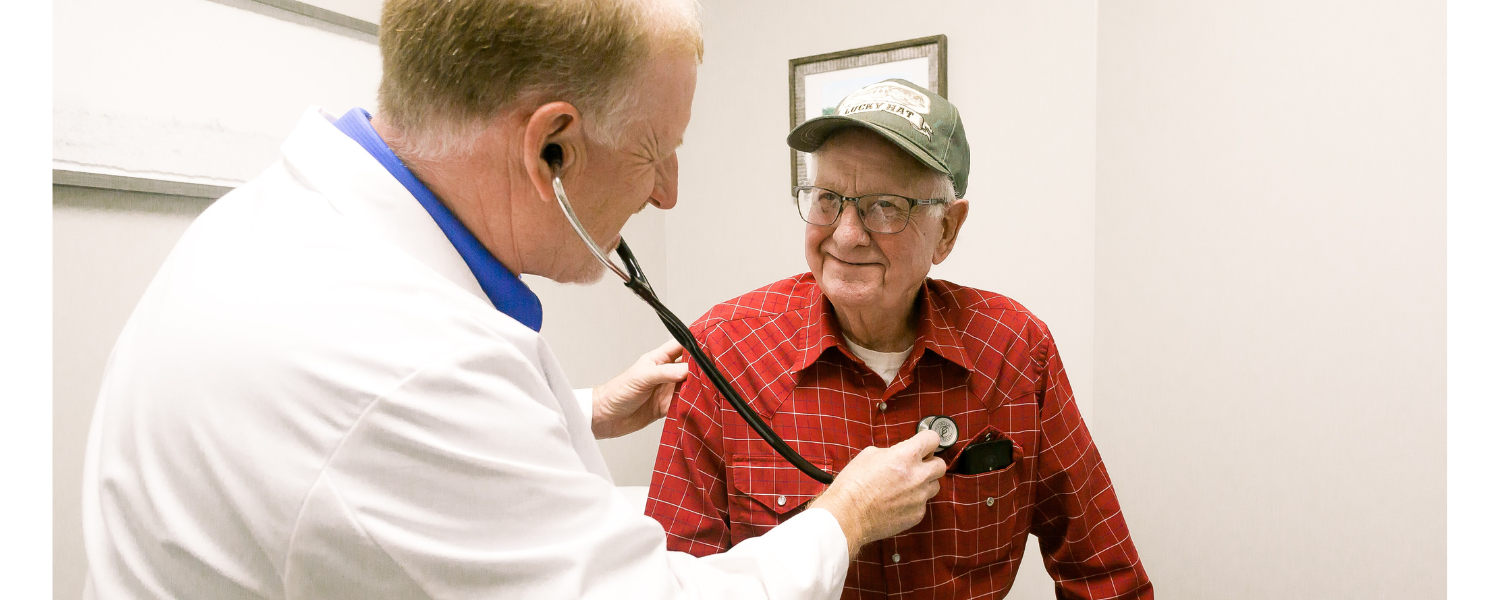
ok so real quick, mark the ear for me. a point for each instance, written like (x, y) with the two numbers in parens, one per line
(953, 220)
(551, 144)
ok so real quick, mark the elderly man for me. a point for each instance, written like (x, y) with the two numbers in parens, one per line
(864, 348)
(335, 386)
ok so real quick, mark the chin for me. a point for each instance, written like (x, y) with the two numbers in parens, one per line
(585, 274)
(848, 293)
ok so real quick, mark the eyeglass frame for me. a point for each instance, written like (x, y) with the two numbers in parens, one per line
(855, 199)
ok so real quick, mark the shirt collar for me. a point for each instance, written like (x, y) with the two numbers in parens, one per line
(504, 289)
(935, 332)
(820, 331)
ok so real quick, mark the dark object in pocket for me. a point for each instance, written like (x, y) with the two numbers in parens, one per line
(983, 457)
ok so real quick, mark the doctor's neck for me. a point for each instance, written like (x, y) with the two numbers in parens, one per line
(480, 195)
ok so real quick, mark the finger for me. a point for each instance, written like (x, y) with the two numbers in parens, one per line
(669, 352)
(930, 490)
(667, 373)
(664, 403)
(923, 444)
(936, 468)
(645, 378)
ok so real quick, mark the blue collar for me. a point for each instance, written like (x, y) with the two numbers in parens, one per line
(506, 291)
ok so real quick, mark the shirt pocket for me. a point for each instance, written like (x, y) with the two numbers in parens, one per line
(984, 509)
(765, 491)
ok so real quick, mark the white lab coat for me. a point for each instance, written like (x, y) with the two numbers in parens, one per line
(314, 399)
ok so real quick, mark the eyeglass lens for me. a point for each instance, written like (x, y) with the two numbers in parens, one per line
(880, 213)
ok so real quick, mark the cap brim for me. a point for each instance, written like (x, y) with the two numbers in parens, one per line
(810, 135)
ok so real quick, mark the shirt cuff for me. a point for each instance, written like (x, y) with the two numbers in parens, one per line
(585, 397)
(806, 558)
(808, 554)
(831, 531)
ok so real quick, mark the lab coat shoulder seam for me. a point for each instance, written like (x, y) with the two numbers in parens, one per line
(328, 460)
(354, 520)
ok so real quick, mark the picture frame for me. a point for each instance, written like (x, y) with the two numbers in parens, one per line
(817, 83)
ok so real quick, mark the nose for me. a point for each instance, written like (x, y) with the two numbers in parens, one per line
(665, 194)
(848, 230)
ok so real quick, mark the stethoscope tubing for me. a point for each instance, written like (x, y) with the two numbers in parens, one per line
(635, 279)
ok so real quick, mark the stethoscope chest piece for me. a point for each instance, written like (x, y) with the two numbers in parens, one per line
(946, 429)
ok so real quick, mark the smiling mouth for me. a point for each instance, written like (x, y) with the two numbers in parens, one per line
(854, 264)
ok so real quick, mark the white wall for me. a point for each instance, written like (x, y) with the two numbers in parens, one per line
(192, 90)
(1270, 341)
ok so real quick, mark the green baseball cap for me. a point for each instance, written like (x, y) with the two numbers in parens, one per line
(913, 118)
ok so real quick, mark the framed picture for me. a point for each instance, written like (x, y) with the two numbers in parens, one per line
(819, 82)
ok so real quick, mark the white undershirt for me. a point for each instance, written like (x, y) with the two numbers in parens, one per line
(885, 364)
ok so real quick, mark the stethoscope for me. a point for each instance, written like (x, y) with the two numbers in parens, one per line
(635, 279)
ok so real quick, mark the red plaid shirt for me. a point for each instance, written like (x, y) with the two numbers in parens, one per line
(980, 358)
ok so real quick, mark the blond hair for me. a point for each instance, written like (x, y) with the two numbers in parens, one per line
(452, 66)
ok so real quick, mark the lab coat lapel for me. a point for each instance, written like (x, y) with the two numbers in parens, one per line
(358, 187)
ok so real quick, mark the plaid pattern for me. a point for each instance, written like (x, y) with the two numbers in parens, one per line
(979, 358)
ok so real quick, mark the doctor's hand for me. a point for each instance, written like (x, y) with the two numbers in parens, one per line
(640, 395)
(884, 491)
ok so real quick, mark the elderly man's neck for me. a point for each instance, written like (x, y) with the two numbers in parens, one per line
(882, 329)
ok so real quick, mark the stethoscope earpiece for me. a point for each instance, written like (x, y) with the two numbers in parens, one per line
(553, 154)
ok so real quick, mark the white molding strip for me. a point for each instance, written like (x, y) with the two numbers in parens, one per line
(303, 13)
(138, 184)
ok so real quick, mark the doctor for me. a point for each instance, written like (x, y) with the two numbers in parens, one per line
(335, 386)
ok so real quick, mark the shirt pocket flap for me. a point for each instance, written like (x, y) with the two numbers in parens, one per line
(773, 482)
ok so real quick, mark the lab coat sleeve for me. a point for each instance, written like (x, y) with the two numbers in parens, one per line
(585, 398)
(463, 482)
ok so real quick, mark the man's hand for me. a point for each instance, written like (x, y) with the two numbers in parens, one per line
(640, 395)
(884, 491)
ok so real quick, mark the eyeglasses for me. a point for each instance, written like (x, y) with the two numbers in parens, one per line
(880, 213)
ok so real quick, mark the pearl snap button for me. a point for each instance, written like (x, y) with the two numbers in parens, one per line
(781, 501)
(896, 557)
(881, 406)
(990, 501)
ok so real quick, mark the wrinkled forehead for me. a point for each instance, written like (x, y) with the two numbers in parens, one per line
(668, 80)
(858, 158)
